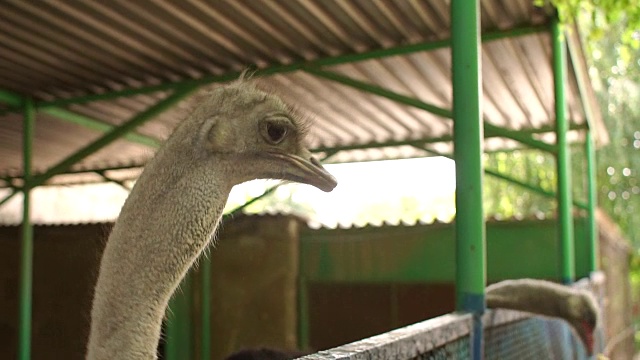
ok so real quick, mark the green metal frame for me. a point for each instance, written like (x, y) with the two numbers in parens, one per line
(179, 339)
(470, 233)
(497, 174)
(469, 129)
(26, 263)
(328, 61)
(492, 130)
(592, 201)
(563, 162)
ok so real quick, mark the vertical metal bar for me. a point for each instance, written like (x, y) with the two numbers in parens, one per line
(563, 163)
(205, 334)
(26, 264)
(468, 140)
(303, 312)
(178, 345)
(115, 133)
(592, 203)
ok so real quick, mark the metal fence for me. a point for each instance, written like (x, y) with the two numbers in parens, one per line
(507, 335)
(518, 337)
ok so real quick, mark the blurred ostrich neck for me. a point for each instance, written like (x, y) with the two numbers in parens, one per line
(164, 225)
(550, 300)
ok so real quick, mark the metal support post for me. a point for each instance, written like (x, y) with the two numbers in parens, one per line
(26, 264)
(468, 137)
(563, 163)
(205, 334)
(179, 343)
(592, 203)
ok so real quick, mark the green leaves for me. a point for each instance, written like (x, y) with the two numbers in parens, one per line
(603, 16)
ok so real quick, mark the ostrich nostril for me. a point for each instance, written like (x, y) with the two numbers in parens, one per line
(315, 162)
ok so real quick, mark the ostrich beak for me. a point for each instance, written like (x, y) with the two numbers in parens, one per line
(304, 168)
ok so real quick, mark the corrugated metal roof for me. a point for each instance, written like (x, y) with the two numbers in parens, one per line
(53, 50)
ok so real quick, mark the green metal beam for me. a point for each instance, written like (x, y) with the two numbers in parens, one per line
(523, 138)
(535, 189)
(115, 134)
(491, 129)
(239, 209)
(532, 188)
(276, 69)
(470, 237)
(98, 125)
(377, 90)
(334, 149)
(592, 203)
(12, 99)
(9, 196)
(565, 216)
(84, 171)
(26, 263)
(115, 181)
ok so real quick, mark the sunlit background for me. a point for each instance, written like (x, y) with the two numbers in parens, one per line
(398, 191)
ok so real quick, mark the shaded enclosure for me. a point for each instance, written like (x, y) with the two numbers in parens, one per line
(277, 283)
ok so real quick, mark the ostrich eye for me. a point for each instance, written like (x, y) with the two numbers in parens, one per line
(275, 132)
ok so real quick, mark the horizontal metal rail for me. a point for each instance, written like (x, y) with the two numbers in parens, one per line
(536, 189)
(490, 129)
(284, 68)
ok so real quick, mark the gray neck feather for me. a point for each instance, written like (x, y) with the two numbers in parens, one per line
(168, 219)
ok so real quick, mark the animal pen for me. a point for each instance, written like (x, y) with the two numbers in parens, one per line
(89, 89)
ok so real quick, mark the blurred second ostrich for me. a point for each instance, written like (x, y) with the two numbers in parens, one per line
(545, 298)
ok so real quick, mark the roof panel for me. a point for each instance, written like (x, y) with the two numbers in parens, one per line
(52, 50)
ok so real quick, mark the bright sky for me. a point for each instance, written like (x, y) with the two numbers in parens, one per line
(366, 192)
(362, 186)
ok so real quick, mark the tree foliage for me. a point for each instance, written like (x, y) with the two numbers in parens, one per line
(601, 15)
(613, 55)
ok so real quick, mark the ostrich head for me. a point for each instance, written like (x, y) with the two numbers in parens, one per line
(545, 298)
(251, 134)
(236, 133)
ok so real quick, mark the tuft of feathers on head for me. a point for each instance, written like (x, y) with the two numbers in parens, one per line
(242, 94)
(246, 75)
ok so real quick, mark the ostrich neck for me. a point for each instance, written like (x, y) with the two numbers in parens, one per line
(164, 225)
(543, 299)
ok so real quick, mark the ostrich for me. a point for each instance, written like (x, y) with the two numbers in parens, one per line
(578, 307)
(236, 133)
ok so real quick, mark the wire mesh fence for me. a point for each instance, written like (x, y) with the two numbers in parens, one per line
(508, 335)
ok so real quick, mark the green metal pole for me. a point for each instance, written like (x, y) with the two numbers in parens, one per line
(592, 202)
(303, 311)
(205, 344)
(563, 163)
(179, 331)
(468, 148)
(26, 264)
